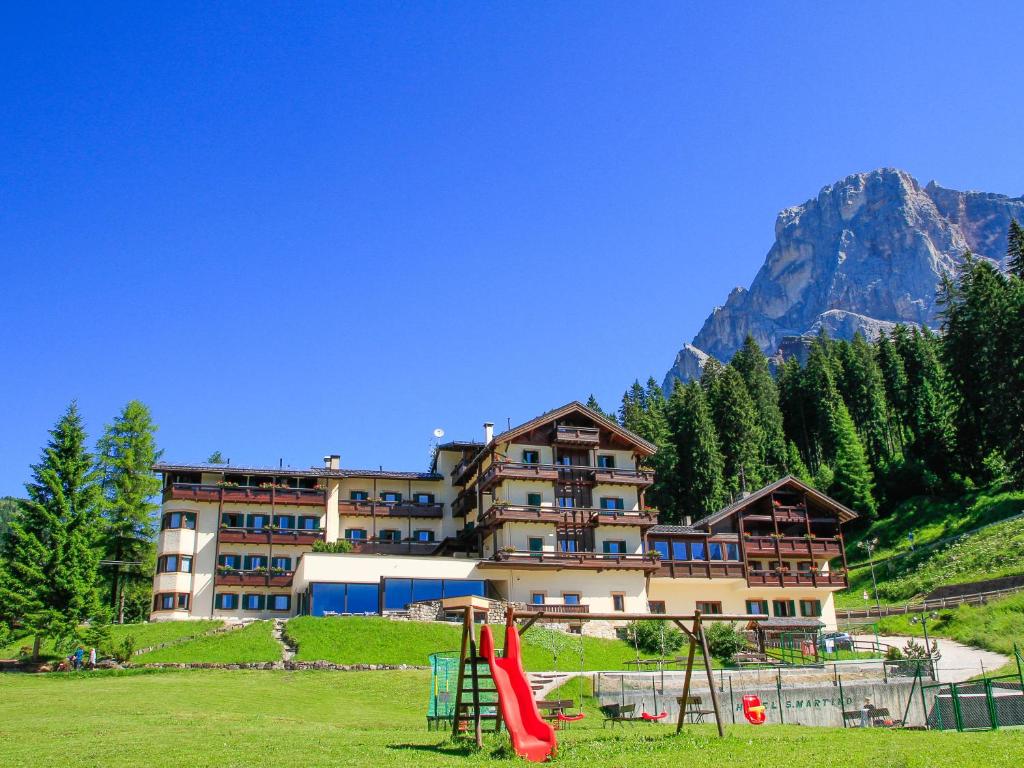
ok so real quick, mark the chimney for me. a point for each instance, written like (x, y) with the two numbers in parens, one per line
(488, 432)
(332, 462)
(687, 521)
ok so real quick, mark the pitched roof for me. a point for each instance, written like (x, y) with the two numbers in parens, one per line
(789, 622)
(677, 529)
(845, 513)
(578, 407)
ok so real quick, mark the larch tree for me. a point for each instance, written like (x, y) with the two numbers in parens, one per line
(127, 452)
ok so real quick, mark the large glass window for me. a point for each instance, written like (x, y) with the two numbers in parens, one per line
(715, 551)
(327, 598)
(462, 588)
(698, 550)
(732, 551)
(680, 551)
(661, 547)
(426, 589)
(363, 598)
(397, 594)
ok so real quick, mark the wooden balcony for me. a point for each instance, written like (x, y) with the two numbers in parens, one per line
(391, 547)
(569, 560)
(560, 609)
(390, 509)
(464, 503)
(701, 569)
(244, 494)
(513, 470)
(641, 478)
(283, 536)
(589, 436)
(796, 578)
(252, 579)
(791, 546)
(499, 514)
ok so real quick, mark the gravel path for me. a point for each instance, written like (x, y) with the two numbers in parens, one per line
(958, 661)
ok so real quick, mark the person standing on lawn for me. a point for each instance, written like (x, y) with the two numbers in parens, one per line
(79, 653)
(92, 658)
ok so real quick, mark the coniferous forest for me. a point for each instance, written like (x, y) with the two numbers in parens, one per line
(871, 423)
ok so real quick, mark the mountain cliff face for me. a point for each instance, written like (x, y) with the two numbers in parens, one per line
(865, 254)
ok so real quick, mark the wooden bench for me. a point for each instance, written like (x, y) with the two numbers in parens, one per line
(693, 708)
(618, 713)
(878, 717)
(555, 711)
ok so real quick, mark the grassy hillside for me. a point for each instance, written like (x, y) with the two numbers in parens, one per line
(369, 640)
(236, 719)
(145, 635)
(250, 644)
(994, 551)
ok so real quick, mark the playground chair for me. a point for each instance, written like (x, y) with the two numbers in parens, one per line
(754, 710)
(619, 713)
(693, 708)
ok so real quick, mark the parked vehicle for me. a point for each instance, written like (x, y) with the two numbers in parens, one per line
(841, 641)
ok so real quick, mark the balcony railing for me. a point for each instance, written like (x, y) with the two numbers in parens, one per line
(270, 536)
(560, 609)
(701, 569)
(256, 578)
(796, 578)
(513, 470)
(240, 494)
(392, 547)
(611, 476)
(581, 560)
(464, 503)
(791, 546)
(581, 516)
(390, 508)
(567, 473)
(577, 435)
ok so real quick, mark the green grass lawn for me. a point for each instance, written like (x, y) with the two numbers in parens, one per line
(250, 644)
(370, 640)
(236, 719)
(145, 635)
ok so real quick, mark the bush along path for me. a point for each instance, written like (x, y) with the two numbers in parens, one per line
(287, 649)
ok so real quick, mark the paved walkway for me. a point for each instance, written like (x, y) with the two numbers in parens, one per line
(958, 661)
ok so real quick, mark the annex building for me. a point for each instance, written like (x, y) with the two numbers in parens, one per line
(549, 513)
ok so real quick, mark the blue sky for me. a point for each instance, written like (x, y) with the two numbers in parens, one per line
(309, 228)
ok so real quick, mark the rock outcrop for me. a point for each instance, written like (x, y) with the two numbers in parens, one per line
(868, 252)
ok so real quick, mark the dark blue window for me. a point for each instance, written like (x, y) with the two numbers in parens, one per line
(459, 588)
(426, 589)
(679, 550)
(308, 523)
(363, 598)
(252, 562)
(284, 563)
(259, 522)
(284, 521)
(226, 601)
(230, 561)
(732, 551)
(697, 549)
(327, 598)
(397, 594)
(661, 547)
(715, 550)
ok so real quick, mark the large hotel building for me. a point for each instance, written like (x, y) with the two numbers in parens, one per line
(551, 513)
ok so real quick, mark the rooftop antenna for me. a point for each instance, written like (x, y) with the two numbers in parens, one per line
(432, 449)
(508, 420)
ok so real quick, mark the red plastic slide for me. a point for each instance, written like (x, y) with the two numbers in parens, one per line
(532, 737)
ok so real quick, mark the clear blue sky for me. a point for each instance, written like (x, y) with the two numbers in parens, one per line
(296, 229)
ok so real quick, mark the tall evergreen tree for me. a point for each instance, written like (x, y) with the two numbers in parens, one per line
(929, 410)
(593, 405)
(127, 452)
(795, 464)
(1015, 249)
(698, 459)
(753, 367)
(852, 481)
(739, 433)
(894, 379)
(50, 575)
(864, 393)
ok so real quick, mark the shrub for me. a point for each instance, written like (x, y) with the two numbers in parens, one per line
(893, 653)
(341, 546)
(654, 637)
(724, 640)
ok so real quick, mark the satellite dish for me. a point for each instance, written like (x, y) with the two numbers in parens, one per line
(438, 432)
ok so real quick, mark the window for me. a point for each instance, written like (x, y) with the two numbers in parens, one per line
(390, 534)
(229, 561)
(757, 607)
(697, 550)
(708, 606)
(606, 462)
(661, 547)
(612, 502)
(618, 601)
(614, 547)
(423, 498)
(679, 551)
(174, 564)
(252, 562)
(423, 535)
(225, 601)
(355, 534)
(783, 608)
(565, 461)
(284, 521)
(533, 499)
(343, 598)
(258, 522)
(535, 544)
(166, 601)
(179, 520)
(566, 502)
(804, 567)
(656, 606)
(715, 551)
(254, 602)
(531, 457)
(732, 551)
(358, 495)
(390, 497)
(567, 545)
(810, 608)
(398, 593)
(279, 602)
(757, 565)
(281, 563)
(571, 598)
(309, 523)
(233, 520)
(537, 598)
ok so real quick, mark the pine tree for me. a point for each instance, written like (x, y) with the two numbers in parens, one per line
(127, 452)
(739, 433)
(894, 379)
(50, 574)
(797, 411)
(852, 482)
(864, 393)
(593, 405)
(795, 464)
(216, 458)
(1015, 249)
(698, 458)
(753, 367)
